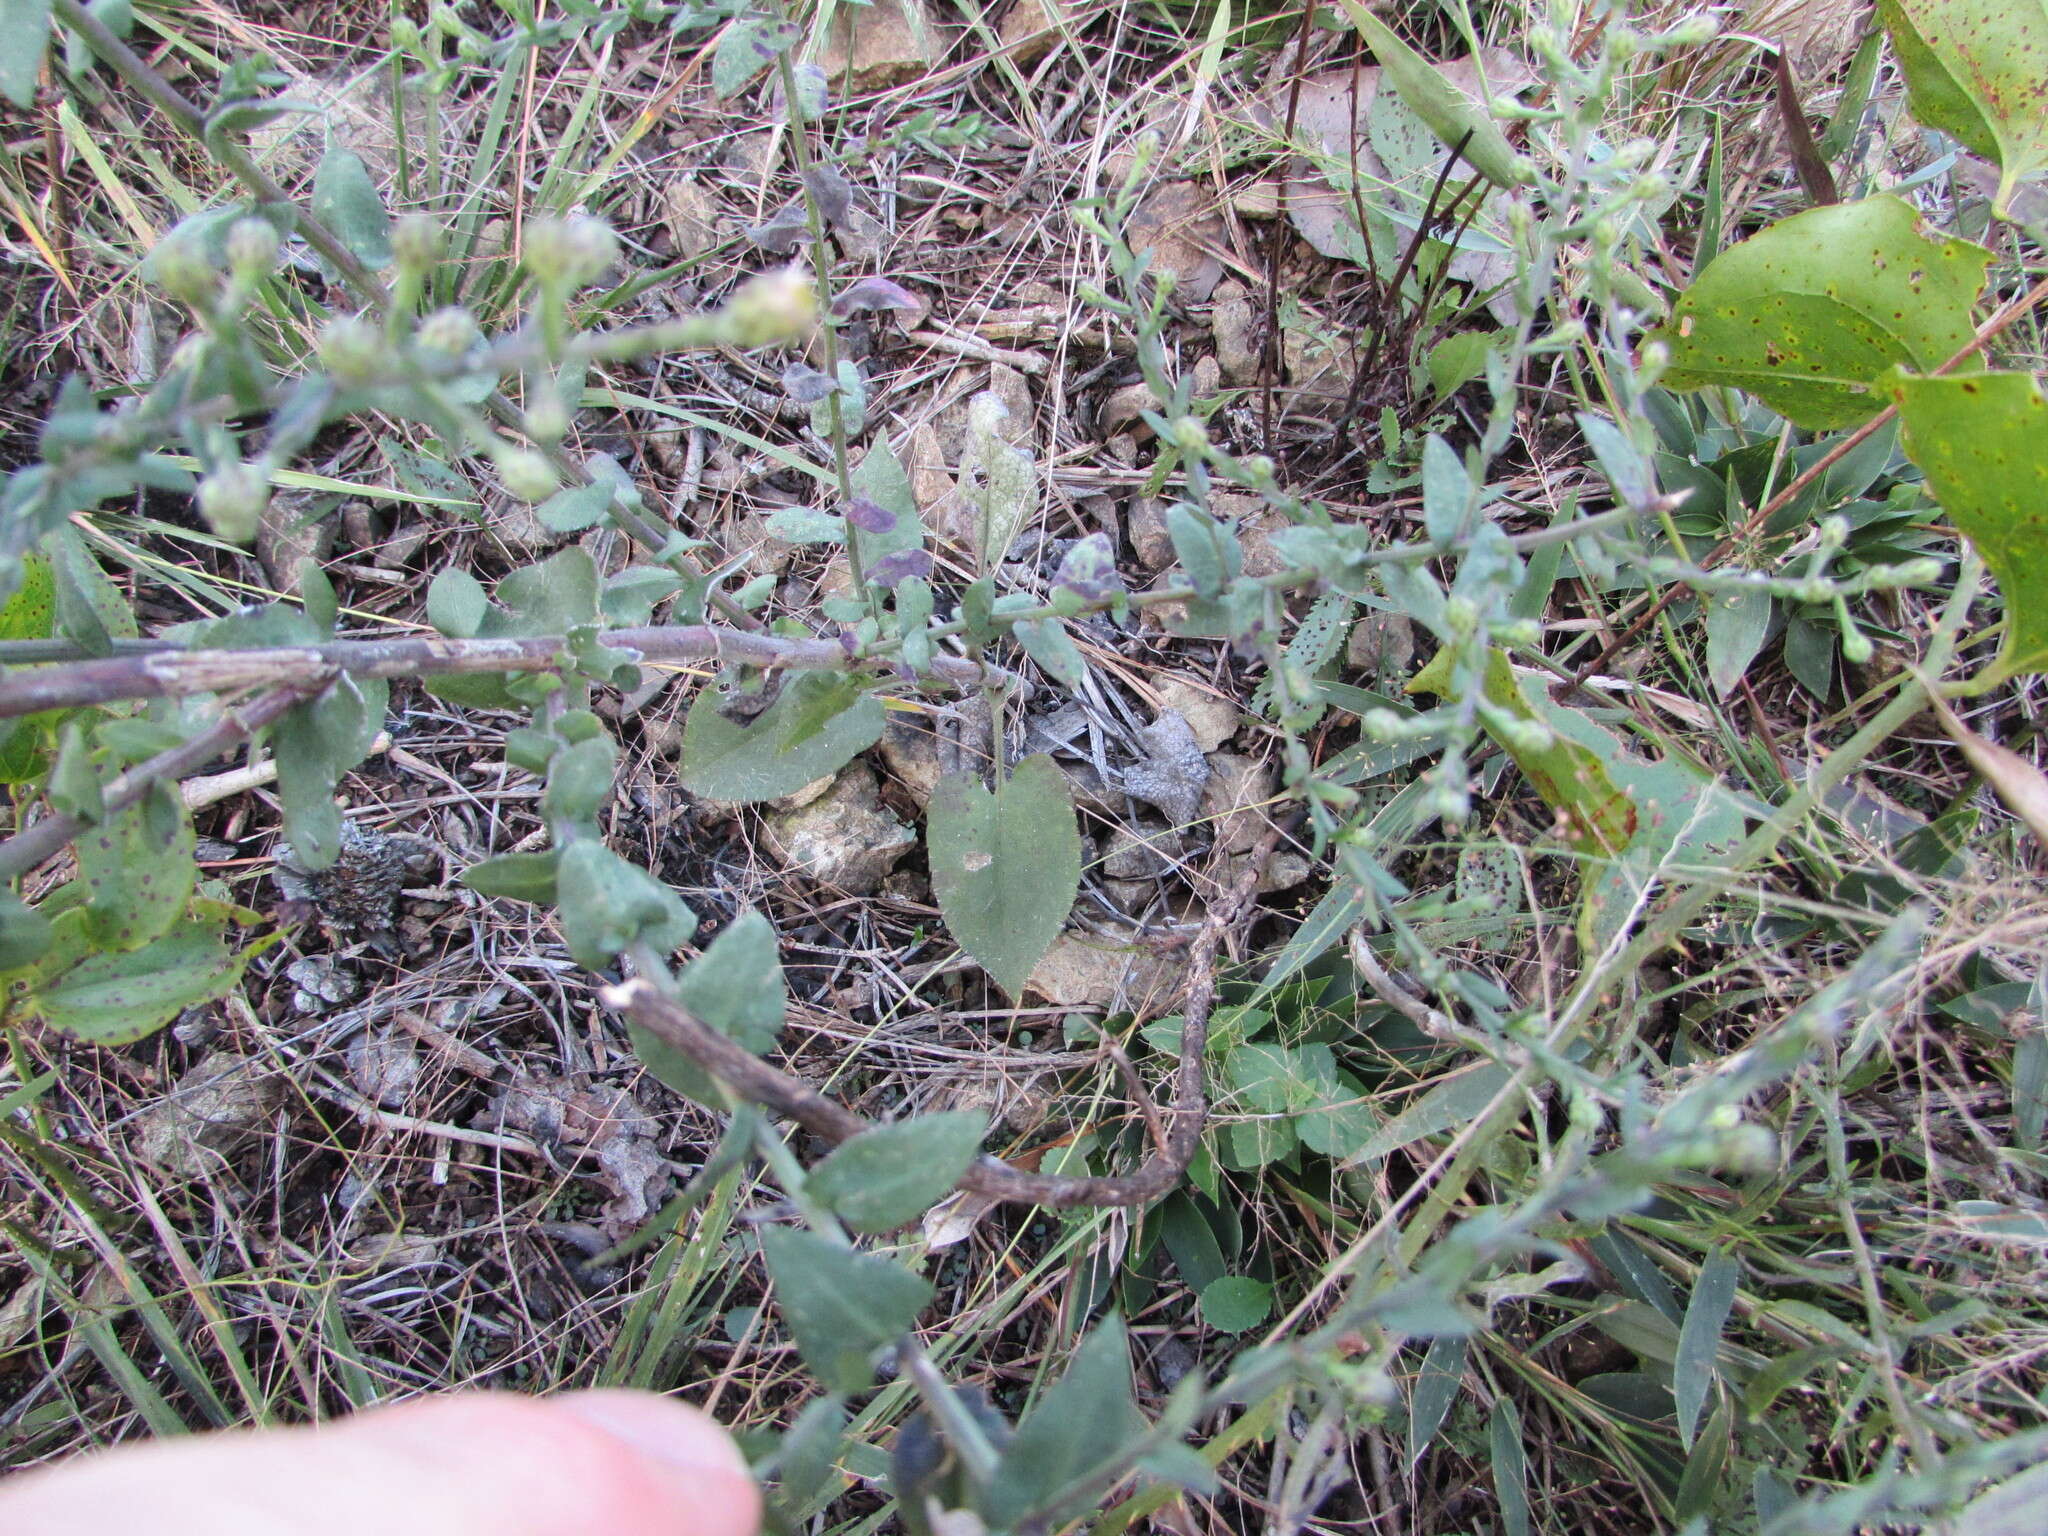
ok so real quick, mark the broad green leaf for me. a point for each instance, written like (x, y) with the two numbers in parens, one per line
(778, 752)
(1452, 115)
(1974, 69)
(520, 876)
(736, 985)
(456, 604)
(1453, 1102)
(118, 996)
(24, 29)
(315, 744)
(1812, 314)
(579, 783)
(1983, 443)
(139, 870)
(1436, 1388)
(90, 608)
(1208, 552)
(1737, 623)
(895, 1173)
(804, 1459)
(842, 1307)
(25, 933)
(882, 479)
(1191, 1241)
(749, 45)
(1006, 866)
(1236, 1303)
(2016, 1506)
(1084, 1420)
(1597, 816)
(1699, 1339)
(30, 614)
(1047, 642)
(606, 904)
(346, 200)
(575, 508)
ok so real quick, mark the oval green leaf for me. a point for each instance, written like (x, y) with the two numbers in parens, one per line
(895, 1173)
(1006, 866)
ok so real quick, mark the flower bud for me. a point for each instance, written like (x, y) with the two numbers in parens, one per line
(527, 474)
(252, 249)
(232, 500)
(450, 332)
(416, 242)
(571, 251)
(405, 34)
(1461, 615)
(181, 269)
(352, 350)
(1189, 435)
(546, 421)
(776, 306)
(1856, 647)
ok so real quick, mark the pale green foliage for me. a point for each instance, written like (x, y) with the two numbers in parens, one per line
(1005, 865)
(998, 479)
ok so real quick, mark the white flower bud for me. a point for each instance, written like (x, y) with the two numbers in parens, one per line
(352, 349)
(232, 500)
(252, 249)
(527, 474)
(416, 241)
(450, 332)
(774, 307)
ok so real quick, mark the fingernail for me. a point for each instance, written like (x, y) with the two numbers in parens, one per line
(660, 1428)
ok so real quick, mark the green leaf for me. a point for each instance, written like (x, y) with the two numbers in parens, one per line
(1983, 442)
(1436, 1387)
(1699, 1339)
(804, 1459)
(315, 744)
(1191, 1241)
(607, 904)
(2016, 1506)
(736, 985)
(742, 53)
(25, 933)
(894, 1173)
(118, 996)
(1813, 313)
(576, 508)
(998, 479)
(842, 1307)
(1006, 866)
(1236, 1303)
(1737, 623)
(1207, 551)
(139, 870)
(456, 604)
(1452, 1102)
(724, 759)
(1974, 70)
(1510, 1465)
(24, 30)
(90, 609)
(882, 479)
(519, 876)
(346, 200)
(579, 782)
(1047, 642)
(1452, 116)
(1087, 1418)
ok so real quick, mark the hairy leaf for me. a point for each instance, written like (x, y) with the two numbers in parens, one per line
(1006, 866)
(1812, 314)
(315, 744)
(780, 750)
(1462, 123)
(607, 904)
(895, 1173)
(346, 200)
(842, 1307)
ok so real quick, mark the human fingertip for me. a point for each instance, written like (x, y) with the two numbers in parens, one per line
(687, 1444)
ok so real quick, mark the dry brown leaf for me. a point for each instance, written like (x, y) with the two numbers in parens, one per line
(2022, 786)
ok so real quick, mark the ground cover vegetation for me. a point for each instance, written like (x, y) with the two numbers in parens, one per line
(1140, 765)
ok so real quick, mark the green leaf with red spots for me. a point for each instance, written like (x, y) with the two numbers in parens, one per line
(139, 870)
(1978, 71)
(1812, 314)
(1983, 442)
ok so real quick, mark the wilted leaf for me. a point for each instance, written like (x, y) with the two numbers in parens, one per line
(841, 1306)
(1975, 70)
(1811, 315)
(2016, 781)
(867, 293)
(1983, 442)
(884, 498)
(998, 479)
(1005, 866)
(776, 753)
(893, 1174)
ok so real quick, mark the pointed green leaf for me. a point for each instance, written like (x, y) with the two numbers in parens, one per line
(1975, 70)
(1436, 1387)
(1006, 866)
(842, 1307)
(780, 750)
(1737, 623)
(1983, 442)
(115, 997)
(1452, 115)
(607, 904)
(1811, 314)
(1699, 1339)
(519, 876)
(346, 200)
(1087, 1418)
(1453, 1102)
(895, 1173)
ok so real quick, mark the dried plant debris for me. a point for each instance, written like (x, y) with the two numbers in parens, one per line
(603, 1122)
(357, 896)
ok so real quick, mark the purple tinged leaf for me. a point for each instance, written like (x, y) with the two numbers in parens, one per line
(900, 566)
(876, 293)
(782, 234)
(832, 190)
(1089, 568)
(804, 383)
(870, 516)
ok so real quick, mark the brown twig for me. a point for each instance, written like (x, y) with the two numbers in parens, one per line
(175, 673)
(26, 849)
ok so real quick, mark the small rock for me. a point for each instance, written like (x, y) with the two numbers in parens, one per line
(844, 839)
(1030, 30)
(1234, 800)
(1231, 321)
(1090, 973)
(292, 528)
(223, 1099)
(1382, 644)
(1179, 225)
(1145, 527)
(1125, 407)
(910, 750)
(1284, 871)
(1130, 896)
(691, 216)
(1140, 855)
(1208, 378)
(1213, 719)
(1256, 524)
(764, 554)
(931, 475)
(883, 44)
(1091, 791)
